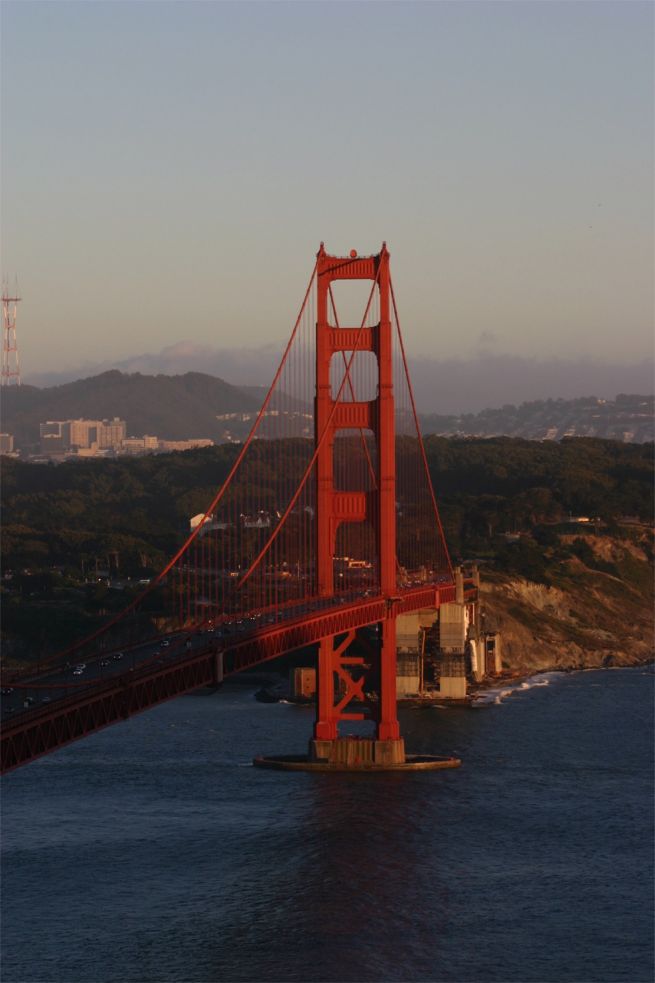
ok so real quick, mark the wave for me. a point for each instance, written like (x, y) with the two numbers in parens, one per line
(497, 695)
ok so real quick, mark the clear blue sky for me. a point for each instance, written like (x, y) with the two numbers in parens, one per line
(168, 170)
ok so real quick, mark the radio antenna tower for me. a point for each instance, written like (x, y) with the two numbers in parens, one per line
(10, 367)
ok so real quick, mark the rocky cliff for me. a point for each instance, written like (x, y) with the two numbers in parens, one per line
(590, 614)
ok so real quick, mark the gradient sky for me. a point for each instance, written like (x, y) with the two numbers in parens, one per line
(169, 169)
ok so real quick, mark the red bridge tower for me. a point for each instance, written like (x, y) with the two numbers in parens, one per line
(335, 507)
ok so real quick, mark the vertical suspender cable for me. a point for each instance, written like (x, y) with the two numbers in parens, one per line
(418, 432)
(319, 445)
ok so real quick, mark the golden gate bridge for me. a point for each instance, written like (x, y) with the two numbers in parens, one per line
(326, 524)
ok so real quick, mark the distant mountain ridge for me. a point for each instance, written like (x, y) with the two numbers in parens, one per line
(180, 407)
(442, 384)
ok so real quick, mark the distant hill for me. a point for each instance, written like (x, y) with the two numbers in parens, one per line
(441, 384)
(628, 418)
(171, 407)
(180, 407)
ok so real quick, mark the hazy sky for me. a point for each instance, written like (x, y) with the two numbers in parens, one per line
(169, 169)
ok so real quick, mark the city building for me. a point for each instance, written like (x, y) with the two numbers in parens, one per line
(133, 445)
(97, 438)
(83, 433)
(6, 443)
(55, 428)
(54, 445)
(92, 451)
(111, 433)
(184, 445)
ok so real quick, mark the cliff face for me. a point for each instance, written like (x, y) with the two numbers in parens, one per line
(585, 617)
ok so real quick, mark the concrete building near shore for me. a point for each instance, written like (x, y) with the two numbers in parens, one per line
(303, 683)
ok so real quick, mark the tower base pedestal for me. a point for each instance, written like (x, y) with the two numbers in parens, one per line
(357, 754)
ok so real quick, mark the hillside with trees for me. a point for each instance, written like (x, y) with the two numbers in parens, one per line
(505, 485)
(74, 531)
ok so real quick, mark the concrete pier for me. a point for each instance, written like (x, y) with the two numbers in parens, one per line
(357, 754)
(358, 751)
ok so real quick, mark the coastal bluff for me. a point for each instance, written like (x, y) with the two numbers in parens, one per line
(589, 613)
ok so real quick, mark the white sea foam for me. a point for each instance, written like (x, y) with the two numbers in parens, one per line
(497, 695)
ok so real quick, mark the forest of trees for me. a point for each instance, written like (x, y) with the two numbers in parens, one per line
(504, 484)
(68, 514)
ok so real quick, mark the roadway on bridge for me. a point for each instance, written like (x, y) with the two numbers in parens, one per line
(79, 676)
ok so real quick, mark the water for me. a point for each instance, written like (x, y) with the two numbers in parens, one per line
(154, 852)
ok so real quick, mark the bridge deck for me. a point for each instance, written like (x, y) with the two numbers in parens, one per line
(84, 708)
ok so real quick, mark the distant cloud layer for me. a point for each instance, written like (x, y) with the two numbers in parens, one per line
(441, 386)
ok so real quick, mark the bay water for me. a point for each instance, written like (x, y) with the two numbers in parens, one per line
(154, 851)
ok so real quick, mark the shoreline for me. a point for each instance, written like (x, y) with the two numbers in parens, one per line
(511, 680)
